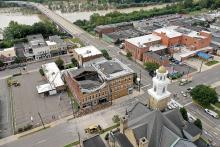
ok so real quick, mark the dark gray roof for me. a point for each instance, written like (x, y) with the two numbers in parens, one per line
(184, 143)
(122, 140)
(192, 129)
(136, 111)
(89, 84)
(175, 117)
(167, 137)
(110, 67)
(95, 141)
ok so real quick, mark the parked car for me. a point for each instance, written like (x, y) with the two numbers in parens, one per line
(13, 66)
(189, 89)
(2, 68)
(212, 113)
(152, 73)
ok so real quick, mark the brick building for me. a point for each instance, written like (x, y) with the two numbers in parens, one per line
(99, 83)
(156, 58)
(139, 45)
(175, 35)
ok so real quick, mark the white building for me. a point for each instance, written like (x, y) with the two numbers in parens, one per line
(36, 48)
(159, 95)
(7, 55)
(86, 54)
(55, 83)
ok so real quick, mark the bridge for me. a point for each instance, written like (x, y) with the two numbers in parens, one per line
(57, 19)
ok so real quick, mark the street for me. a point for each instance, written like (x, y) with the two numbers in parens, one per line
(66, 132)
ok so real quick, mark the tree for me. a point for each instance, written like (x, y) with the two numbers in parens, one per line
(41, 72)
(74, 61)
(60, 63)
(105, 54)
(204, 95)
(115, 119)
(184, 113)
(17, 60)
(198, 123)
(1, 63)
(151, 66)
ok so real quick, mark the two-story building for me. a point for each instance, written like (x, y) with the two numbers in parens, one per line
(99, 83)
(36, 48)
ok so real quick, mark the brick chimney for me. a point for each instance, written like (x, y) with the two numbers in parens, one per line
(143, 142)
(123, 124)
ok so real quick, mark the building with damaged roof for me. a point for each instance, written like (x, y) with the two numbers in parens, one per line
(100, 82)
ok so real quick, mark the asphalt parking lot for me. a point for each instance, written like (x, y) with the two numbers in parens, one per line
(27, 102)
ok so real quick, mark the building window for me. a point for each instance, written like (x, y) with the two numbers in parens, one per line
(163, 90)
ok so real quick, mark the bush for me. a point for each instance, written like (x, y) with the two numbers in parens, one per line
(115, 119)
(74, 61)
(151, 66)
(198, 123)
(20, 130)
(28, 127)
(107, 136)
(129, 55)
(41, 71)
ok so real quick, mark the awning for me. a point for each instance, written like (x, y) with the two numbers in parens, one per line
(204, 55)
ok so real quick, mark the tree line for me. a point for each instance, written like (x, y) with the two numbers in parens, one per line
(17, 32)
(185, 6)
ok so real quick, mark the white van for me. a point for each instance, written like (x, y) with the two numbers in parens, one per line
(212, 113)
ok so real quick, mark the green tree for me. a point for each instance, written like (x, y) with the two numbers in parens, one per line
(204, 95)
(60, 63)
(17, 60)
(198, 123)
(151, 66)
(41, 72)
(74, 61)
(129, 55)
(184, 113)
(105, 54)
(1, 63)
(115, 119)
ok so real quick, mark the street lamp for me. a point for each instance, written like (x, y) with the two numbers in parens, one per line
(139, 84)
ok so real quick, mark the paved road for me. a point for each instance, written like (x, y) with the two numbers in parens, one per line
(206, 77)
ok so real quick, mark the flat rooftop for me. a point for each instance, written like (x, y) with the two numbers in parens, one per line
(87, 51)
(142, 40)
(53, 74)
(110, 69)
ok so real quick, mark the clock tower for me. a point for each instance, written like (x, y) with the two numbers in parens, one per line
(159, 96)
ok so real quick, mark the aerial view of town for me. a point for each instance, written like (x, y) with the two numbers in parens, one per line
(110, 73)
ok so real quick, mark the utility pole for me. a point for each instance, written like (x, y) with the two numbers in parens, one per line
(139, 88)
(41, 119)
(201, 66)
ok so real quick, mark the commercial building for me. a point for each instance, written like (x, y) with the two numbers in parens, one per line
(139, 45)
(36, 48)
(53, 76)
(99, 83)
(177, 41)
(57, 45)
(7, 55)
(142, 127)
(175, 35)
(155, 58)
(86, 54)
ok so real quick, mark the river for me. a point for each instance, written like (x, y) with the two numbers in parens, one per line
(15, 14)
(86, 15)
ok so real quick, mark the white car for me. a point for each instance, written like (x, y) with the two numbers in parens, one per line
(184, 95)
(182, 92)
(212, 113)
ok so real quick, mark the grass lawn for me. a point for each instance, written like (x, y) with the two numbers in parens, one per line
(210, 63)
(77, 40)
(67, 66)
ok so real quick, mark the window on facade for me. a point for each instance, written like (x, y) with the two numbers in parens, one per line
(155, 88)
(163, 90)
